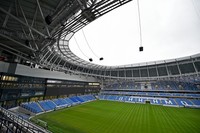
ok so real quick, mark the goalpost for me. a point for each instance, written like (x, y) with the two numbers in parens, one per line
(42, 123)
(147, 102)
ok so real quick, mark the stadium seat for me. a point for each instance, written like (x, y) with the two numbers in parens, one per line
(32, 106)
(155, 101)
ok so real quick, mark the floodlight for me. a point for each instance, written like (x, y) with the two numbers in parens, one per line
(27, 42)
(141, 49)
(101, 58)
(48, 19)
(90, 59)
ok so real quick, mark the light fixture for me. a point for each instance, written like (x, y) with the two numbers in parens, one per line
(27, 42)
(101, 58)
(141, 49)
(140, 27)
(90, 59)
(48, 19)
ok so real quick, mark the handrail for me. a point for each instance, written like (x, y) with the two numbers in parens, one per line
(25, 125)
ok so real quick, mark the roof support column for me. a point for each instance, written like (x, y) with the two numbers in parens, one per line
(167, 69)
(55, 60)
(157, 70)
(179, 70)
(194, 67)
(58, 63)
(140, 73)
(51, 59)
(49, 50)
(147, 70)
(47, 57)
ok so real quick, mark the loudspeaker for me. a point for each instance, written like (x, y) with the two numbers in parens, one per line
(101, 58)
(141, 49)
(48, 19)
(90, 59)
(27, 42)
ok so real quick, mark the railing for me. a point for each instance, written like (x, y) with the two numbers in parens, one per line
(10, 123)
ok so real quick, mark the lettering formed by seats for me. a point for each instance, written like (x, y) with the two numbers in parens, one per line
(184, 103)
(168, 102)
(155, 101)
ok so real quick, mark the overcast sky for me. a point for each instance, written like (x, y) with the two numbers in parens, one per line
(170, 29)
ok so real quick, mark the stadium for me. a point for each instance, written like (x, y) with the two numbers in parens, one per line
(47, 87)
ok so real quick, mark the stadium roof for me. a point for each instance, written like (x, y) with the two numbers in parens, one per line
(40, 31)
(170, 29)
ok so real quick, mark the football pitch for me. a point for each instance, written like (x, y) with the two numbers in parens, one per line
(118, 117)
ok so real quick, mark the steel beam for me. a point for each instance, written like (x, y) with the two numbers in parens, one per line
(4, 45)
(17, 42)
(34, 17)
(28, 24)
(40, 9)
(7, 16)
(50, 58)
(55, 60)
(44, 56)
(20, 21)
(58, 63)
(82, 4)
(16, 54)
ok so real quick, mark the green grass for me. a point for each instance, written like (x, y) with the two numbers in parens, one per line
(118, 117)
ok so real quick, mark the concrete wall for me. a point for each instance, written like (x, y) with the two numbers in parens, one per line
(23, 70)
(4, 66)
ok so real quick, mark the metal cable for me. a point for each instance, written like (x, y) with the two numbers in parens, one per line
(79, 47)
(140, 25)
(88, 44)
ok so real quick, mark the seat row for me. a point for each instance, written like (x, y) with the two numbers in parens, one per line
(154, 85)
(179, 102)
(160, 94)
(48, 105)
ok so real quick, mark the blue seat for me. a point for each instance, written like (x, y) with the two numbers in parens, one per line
(60, 102)
(33, 107)
(47, 105)
(169, 102)
(155, 101)
(196, 102)
(140, 100)
(183, 102)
